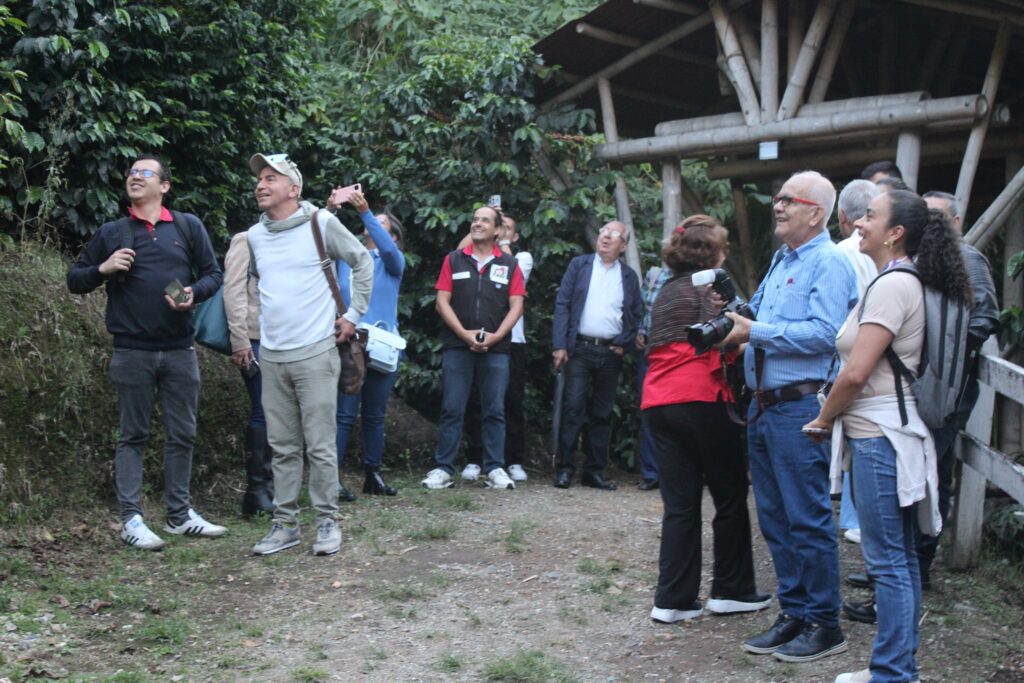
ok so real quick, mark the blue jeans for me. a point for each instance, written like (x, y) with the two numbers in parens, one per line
(254, 385)
(174, 377)
(888, 544)
(791, 486)
(847, 509)
(648, 456)
(374, 400)
(460, 368)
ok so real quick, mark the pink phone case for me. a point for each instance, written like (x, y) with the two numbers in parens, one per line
(343, 194)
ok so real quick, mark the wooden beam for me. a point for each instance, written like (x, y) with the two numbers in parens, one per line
(989, 89)
(746, 243)
(715, 141)
(794, 94)
(737, 63)
(908, 156)
(639, 55)
(611, 132)
(829, 58)
(971, 10)
(995, 466)
(1006, 378)
(671, 196)
(769, 59)
(998, 212)
(687, 8)
(615, 38)
(751, 49)
(797, 26)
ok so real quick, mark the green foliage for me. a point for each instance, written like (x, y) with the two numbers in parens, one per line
(1011, 318)
(528, 666)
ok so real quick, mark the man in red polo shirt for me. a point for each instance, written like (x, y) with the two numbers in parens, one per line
(479, 297)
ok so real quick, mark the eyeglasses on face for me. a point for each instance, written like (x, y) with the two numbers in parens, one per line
(788, 200)
(612, 232)
(140, 173)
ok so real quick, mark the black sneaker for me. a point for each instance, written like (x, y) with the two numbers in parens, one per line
(814, 642)
(864, 612)
(785, 629)
(858, 580)
(751, 602)
(344, 495)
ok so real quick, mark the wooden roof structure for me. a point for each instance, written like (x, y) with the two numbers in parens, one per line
(931, 84)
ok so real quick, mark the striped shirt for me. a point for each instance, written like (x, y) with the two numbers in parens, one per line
(800, 307)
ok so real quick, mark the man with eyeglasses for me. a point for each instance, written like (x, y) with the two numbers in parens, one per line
(299, 332)
(136, 258)
(597, 315)
(800, 305)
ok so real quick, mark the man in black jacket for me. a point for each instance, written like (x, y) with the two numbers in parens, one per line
(480, 295)
(597, 315)
(143, 260)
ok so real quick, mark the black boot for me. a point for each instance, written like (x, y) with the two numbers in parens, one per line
(374, 484)
(259, 487)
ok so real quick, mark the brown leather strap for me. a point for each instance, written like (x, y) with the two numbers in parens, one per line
(327, 265)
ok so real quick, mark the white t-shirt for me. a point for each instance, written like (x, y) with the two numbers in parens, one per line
(602, 312)
(863, 266)
(526, 267)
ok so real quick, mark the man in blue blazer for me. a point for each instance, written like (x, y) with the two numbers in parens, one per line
(597, 314)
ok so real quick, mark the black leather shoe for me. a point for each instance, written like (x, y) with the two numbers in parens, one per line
(864, 612)
(596, 480)
(563, 478)
(860, 580)
(648, 485)
(375, 486)
(814, 642)
(785, 629)
(344, 495)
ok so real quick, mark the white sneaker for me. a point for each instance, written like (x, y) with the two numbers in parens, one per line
(437, 479)
(497, 479)
(852, 535)
(135, 533)
(863, 676)
(195, 525)
(671, 616)
(470, 472)
(328, 538)
(280, 537)
(752, 602)
(517, 473)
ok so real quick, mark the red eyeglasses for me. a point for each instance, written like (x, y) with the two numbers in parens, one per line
(788, 200)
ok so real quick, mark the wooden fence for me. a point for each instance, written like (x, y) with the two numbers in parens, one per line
(983, 463)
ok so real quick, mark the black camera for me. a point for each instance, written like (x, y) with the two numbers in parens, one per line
(702, 336)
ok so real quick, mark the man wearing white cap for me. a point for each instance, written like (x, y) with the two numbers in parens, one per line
(299, 330)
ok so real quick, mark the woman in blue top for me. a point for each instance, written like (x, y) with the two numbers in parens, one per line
(383, 240)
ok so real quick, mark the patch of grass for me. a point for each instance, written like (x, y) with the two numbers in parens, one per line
(589, 565)
(401, 612)
(127, 677)
(228, 662)
(403, 592)
(613, 603)
(435, 531)
(318, 652)
(472, 617)
(515, 539)
(307, 674)
(389, 519)
(185, 556)
(528, 666)
(458, 501)
(14, 567)
(451, 663)
(598, 586)
(573, 615)
(441, 580)
(165, 630)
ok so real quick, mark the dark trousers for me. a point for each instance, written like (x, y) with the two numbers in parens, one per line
(945, 438)
(515, 414)
(697, 443)
(594, 371)
(254, 385)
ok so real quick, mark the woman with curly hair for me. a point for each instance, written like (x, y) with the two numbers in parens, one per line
(685, 398)
(892, 464)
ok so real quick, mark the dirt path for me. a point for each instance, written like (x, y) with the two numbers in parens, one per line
(533, 585)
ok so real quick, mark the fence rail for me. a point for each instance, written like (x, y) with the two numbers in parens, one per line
(982, 462)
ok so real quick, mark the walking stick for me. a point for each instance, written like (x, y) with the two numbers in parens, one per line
(556, 419)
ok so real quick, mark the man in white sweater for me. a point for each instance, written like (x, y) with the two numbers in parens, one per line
(299, 330)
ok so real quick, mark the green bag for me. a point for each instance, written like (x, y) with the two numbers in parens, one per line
(212, 324)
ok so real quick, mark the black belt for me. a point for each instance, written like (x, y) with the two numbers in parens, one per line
(593, 341)
(790, 392)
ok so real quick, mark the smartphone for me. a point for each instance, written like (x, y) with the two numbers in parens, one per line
(252, 369)
(176, 291)
(343, 194)
(816, 431)
(494, 201)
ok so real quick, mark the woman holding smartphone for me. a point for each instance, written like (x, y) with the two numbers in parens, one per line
(892, 464)
(384, 240)
(242, 310)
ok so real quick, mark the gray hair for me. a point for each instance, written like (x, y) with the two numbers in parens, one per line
(821, 190)
(954, 206)
(855, 197)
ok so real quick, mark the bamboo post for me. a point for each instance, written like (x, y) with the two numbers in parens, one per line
(672, 6)
(611, 132)
(739, 201)
(805, 61)
(671, 196)
(691, 200)
(615, 38)
(829, 58)
(977, 139)
(751, 50)
(908, 156)
(998, 212)
(738, 71)
(769, 59)
(796, 26)
(971, 10)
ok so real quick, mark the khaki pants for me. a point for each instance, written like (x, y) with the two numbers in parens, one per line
(300, 403)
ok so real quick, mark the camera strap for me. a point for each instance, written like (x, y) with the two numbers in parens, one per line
(759, 353)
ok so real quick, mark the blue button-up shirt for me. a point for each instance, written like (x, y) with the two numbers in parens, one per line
(800, 307)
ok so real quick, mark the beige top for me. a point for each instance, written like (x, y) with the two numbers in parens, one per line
(241, 298)
(896, 302)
